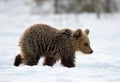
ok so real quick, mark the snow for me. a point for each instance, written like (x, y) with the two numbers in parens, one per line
(101, 66)
(14, 6)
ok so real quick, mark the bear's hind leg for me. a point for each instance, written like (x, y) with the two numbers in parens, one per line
(29, 60)
(18, 60)
(67, 62)
(50, 61)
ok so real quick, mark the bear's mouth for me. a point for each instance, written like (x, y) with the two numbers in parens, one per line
(87, 53)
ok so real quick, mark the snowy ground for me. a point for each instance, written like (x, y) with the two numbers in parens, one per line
(101, 66)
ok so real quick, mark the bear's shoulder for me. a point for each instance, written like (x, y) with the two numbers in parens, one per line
(67, 32)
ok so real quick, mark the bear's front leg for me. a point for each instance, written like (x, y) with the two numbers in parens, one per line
(50, 61)
(68, 62)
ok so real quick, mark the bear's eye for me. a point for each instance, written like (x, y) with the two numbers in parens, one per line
(86, 44)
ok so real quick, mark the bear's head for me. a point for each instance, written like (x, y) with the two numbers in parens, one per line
(82, 42)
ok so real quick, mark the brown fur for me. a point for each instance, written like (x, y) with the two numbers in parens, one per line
(41, 40)
(17, 60)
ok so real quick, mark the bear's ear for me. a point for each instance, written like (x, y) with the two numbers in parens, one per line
(86, 31)
(78, 33)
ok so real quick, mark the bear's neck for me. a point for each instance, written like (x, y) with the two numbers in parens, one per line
(77, 44)
(76, 47)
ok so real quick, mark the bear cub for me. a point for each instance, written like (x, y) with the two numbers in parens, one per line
(41, 40)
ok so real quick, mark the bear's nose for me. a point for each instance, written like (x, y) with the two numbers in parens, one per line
(91, 51)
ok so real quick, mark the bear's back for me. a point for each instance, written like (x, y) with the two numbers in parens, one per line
(43, 38)
(41, 29)
(37, 32)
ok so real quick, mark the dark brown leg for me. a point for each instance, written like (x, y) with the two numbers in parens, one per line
(50, 61)
(67, 62)
(18, 60)
(31, 61)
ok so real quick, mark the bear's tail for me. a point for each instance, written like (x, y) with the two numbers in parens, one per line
(18, 60)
